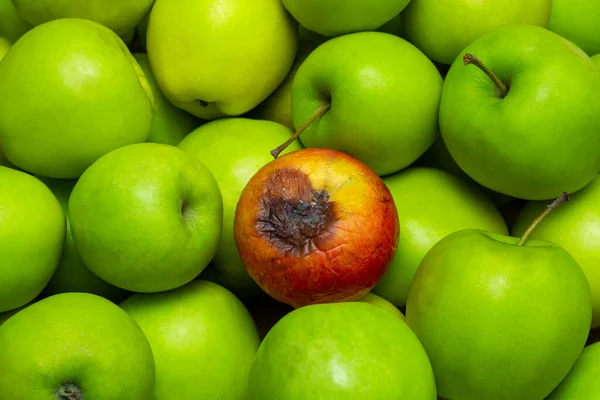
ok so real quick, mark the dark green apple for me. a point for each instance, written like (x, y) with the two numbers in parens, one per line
(499, 317)
(347, 350)
(529, 129)
(578, 22)
(582, 381)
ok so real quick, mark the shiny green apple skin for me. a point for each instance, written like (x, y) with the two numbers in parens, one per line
(339, 17)
(72, 275)
(384, 95)
(431, 204)
(12, 25)
(552, 108)
(146, 217)
(32, 232)
(71, 93)
(170, 124)
(582, 381)
(499, 321)
(347, 350)
(443, 28)
(203, 340)
(234, 149)
(196, 54)
(381, 302)
(79, 339)
(576, 228)
(119, 15)
(578, 22)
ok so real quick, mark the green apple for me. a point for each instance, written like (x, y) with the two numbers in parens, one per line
(203, 340)
(119, 15)
(347, 350)
(12, 25)
(576, 228)
(146, 217)
(4, 47)
(72, 275)
(74, 346)
(500, 317)
(381, 302)
(376, 97)
(596, 59)
(431, 205)
(578, 22)
(339, 17)
(32, 232)
(71, 92)
(582, 381)
(215, 58)
(234, 149)
(4, 316)
(170, 123)
(443, 28)
(530, 129)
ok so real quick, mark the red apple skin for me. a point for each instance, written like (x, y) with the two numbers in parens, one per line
(338, 253)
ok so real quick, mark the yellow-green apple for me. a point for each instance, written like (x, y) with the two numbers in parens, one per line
(203, 340)
(316, 226)
(596, 59)
(72, 275)
(71, 92)
(381, 302)
(234, 149)
(371, 95)
(74, 346)
(119, 15)
(347, 350)
(431, 204)
(500, 317)
(215, 58)
(442, 28)
(146, 217)
(32, 232)
(339, 17)
(12, 25)
(582, 381)
(578, 22)
(575, 228)
(170, 123)
(523, 119)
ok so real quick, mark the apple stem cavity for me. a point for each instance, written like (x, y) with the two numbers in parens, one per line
(471, 59)
(319, 112)
(555, 204)
(69, 391)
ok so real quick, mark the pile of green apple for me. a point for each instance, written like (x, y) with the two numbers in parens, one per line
(299, 199)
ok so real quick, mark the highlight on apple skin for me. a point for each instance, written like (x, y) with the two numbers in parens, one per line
(316, 226)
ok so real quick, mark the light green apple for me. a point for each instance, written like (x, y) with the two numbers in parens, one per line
(119, 15)
(346, 350)
(234, 149)
(71, 92)
(530, 129)
(498, 317)
(582, 381)
(170, 123)
(578, 22)
(203, 340)
(574, 227)
(339, 17)
(215, 58)
(442, 28)
(146, 217)
(431, 204)
(32, 232)
(74, 346)
(381, 302)
(12, 25)
(71, 274)
(378, 96)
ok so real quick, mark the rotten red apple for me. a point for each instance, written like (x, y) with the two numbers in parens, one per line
(316, 226)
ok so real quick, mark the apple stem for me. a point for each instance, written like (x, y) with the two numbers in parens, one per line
(319, 112)
(69, 391)
(556, 203)
(471, 59)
